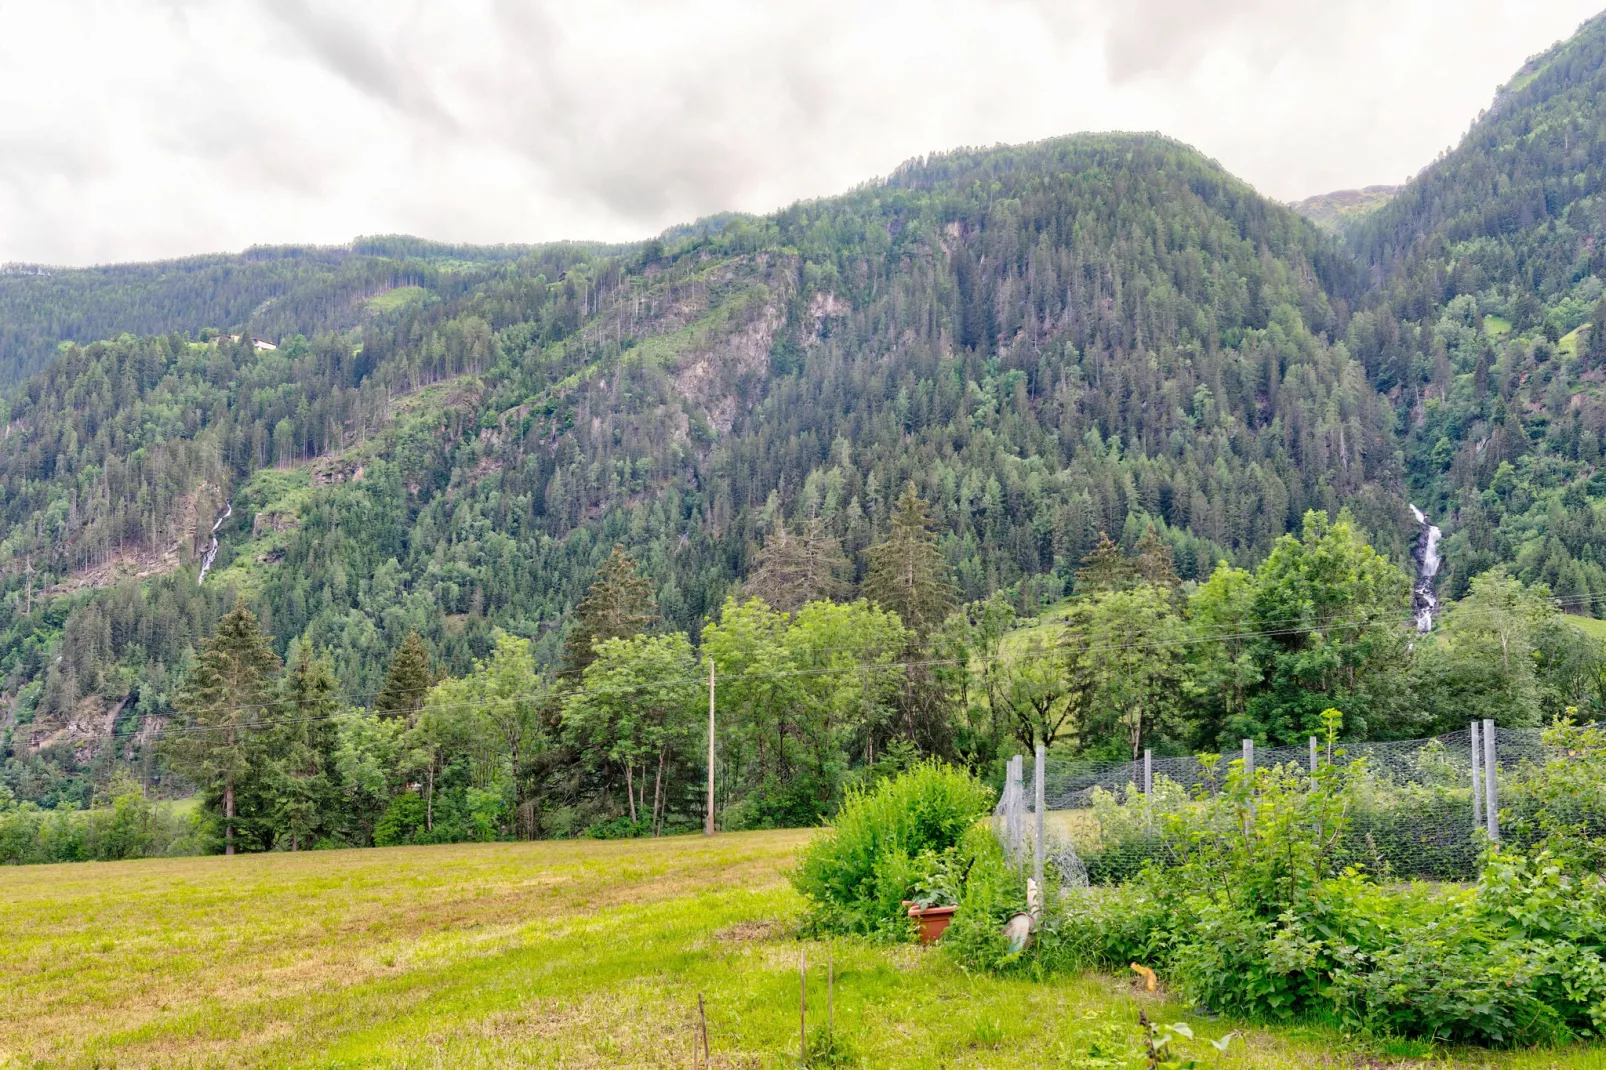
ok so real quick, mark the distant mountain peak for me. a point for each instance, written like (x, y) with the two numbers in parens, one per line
(1336, 211)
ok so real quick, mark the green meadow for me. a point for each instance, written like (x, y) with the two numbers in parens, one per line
(557, 954)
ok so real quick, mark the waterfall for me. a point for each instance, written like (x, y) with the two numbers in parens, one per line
(1424, 603)
(211, 551)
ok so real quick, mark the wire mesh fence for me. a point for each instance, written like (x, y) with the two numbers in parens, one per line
(1419, 809)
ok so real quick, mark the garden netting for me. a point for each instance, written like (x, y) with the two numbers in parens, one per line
(1417, 812)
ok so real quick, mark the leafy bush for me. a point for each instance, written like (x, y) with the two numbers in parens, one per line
(993, 891)
(1560, 804)
(883, 842)
(403, 819)
(1417, 827)
(125, 825)
(1264, 914)
(618, 828)
(1131, 826)
(774, 804)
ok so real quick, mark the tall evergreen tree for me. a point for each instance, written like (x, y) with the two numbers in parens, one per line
(907, 572)
(794, 570)
(304, 783)
(409, 680)
(1152, 562)
(226, 697)
(1594, 351)
(1104, 568)
(618, 605)
(909, 577)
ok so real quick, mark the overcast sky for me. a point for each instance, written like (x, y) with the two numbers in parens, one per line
(134, 130)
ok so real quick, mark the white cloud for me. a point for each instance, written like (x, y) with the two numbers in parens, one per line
(136, 130)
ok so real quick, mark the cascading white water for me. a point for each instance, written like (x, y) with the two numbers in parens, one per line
(211, 551)
(1424, 603)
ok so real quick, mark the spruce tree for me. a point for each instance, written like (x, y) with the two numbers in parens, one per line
(794, 570)
(1593, 354)
(228, 694)
(303, 786)
(908, 574)
(1104, 568)
(618, 605)
(1152, 563)
(408, 682)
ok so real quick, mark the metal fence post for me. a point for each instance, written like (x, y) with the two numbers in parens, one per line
(1491, 765)
(1017, 818)
(1249, 771)
(1477, 778)
(1037, 840)
(1148, 771)
(1313, 754)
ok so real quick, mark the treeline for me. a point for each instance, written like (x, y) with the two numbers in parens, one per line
(814, 693)
(123, 823)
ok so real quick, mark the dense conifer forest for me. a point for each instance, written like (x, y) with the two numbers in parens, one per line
(1083, 442)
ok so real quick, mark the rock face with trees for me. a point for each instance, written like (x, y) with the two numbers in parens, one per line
(1080, 442)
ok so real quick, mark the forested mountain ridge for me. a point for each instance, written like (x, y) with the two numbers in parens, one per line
(1090, 334)
(271, 291)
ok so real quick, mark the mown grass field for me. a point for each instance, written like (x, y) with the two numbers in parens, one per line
(577, 954)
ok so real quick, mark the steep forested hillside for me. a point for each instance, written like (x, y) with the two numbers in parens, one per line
(1488, 332)
(1087, 335)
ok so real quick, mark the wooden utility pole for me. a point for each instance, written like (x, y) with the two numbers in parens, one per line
(708, 821)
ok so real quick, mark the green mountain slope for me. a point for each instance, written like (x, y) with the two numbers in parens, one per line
(1490, 267)
(1084, 335)
(1343, 210)
(274, 292)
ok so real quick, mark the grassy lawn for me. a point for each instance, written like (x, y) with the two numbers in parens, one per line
(528, 955)
(1588, 625)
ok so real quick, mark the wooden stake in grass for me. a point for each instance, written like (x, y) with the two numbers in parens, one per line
(830, 993)
(702, 1021)
(803, 1008)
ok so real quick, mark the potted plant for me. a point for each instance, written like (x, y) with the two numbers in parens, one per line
(936, 897)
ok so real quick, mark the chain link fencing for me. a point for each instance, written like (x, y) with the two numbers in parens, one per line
(1421, 809)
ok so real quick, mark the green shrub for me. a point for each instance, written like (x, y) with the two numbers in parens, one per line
(993, 891)
(131, 826)
(884, 841)
(1131, 827)
(617, 828)
(1264, 914)
(402, 820)
(797, 803)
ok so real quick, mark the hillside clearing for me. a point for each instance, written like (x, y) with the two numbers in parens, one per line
(574, 954)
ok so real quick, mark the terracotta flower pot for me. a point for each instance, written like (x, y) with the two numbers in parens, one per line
(932, 920)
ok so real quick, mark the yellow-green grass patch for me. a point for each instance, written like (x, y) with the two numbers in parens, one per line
(560, 954)
(391, 300)
(1588, 625)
